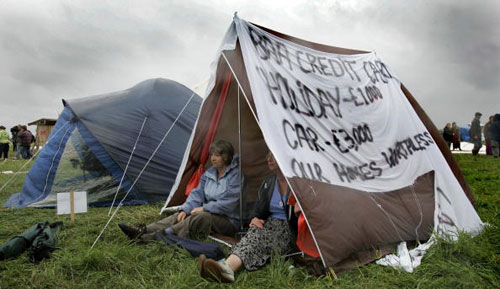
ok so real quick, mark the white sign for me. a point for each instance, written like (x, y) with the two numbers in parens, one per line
(64, 203)
(338, 119)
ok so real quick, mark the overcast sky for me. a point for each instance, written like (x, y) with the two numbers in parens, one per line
(446, 52)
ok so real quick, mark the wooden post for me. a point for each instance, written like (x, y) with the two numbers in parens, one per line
(72, 205)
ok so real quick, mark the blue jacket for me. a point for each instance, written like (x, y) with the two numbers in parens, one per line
(219, 196)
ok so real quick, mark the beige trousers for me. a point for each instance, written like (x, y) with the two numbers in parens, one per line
(198, 225)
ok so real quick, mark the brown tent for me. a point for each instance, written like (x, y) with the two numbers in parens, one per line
(362, 230)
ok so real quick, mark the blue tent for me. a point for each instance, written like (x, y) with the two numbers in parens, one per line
(142, 131)
(464, 133)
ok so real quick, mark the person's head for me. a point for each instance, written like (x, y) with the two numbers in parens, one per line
(448, 125)
(454, 124)
(221, 153)
(492, 118)
(271, 163)
(2, 127)
(478, 115)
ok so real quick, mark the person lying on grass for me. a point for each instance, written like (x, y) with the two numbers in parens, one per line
(211, 207)
(273, 228)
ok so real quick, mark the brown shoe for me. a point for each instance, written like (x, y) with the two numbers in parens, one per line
(133, 232)
(218, 271)
(201, 265)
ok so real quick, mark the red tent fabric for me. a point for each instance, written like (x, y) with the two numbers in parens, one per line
(214, 124)
(305, 241)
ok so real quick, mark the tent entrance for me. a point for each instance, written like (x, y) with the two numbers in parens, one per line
(80, 169)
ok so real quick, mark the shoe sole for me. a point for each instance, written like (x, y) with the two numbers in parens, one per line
(212, 270)
(201, 265)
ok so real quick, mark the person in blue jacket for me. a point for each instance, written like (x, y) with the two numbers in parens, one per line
(272, 230)
(213, 206)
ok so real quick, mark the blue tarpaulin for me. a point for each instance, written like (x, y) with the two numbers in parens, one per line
(464, 133)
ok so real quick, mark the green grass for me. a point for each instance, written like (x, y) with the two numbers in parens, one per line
(472, 262)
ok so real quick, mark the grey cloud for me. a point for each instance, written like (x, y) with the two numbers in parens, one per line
(62, 52)
(471, 34)
(444, 51)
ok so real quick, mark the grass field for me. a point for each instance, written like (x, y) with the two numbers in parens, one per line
(472, 262)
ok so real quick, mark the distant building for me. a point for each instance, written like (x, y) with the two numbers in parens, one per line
(43, 128)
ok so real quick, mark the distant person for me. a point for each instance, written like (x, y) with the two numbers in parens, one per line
(14, 131)
(448, 134)
(495, 136)
(455, 130)
(4, 143)
(19, 148)
(475, 133)
(487, 135)
(26, 138)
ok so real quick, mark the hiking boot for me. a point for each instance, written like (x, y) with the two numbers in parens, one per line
(133, 232)
(215, 270)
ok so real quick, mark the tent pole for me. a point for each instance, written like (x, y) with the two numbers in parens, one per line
(240, 162)
(287, 180)
(241, 87)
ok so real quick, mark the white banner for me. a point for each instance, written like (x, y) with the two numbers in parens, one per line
(343, 120)
(338, 119)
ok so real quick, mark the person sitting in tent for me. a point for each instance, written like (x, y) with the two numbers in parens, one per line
(211, 207)
(273, 227)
